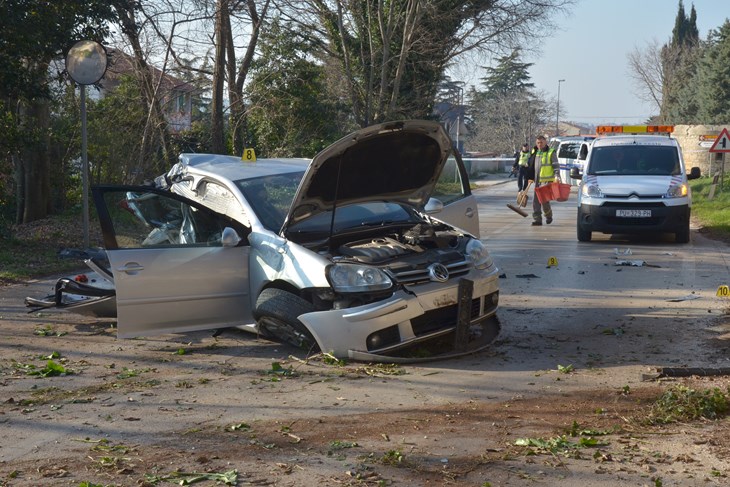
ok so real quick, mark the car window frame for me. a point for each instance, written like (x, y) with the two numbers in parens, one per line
(107, 225)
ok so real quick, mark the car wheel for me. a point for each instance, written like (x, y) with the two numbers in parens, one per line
(276, 314)
(682, 236)
(583, 234)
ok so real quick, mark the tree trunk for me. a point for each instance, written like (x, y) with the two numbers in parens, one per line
(238, 122)
(18, 170)
(36, 164)
(217, 128)
(155, 136)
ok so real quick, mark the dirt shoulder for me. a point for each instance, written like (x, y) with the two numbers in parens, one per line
(155, 411)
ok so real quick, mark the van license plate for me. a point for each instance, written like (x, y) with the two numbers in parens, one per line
(634, 213)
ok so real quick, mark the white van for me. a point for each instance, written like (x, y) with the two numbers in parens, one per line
(634, 181)
(568, 150)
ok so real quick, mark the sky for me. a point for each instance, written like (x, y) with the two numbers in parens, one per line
(590, 48)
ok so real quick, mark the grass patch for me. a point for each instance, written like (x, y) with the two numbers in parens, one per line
(32, 250)
(714, 214)
(681, 403)
(21, 260)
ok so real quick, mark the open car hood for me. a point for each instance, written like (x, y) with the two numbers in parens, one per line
(393, 161)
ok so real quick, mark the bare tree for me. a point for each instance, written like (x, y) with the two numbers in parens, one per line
(502, 124)
(392, 55)
(646, 69)
(254, 16)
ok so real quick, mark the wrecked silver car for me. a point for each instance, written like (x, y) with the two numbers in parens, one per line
(349, 253)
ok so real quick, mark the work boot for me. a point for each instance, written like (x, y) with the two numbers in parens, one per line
(536, 223)
(549, 220)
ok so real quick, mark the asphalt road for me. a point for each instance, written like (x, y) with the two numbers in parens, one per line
(592, 312)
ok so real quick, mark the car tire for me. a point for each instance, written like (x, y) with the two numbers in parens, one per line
(276, 313)
(682, 236)
(583, 234)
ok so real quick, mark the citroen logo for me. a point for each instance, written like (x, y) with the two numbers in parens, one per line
(438, 273)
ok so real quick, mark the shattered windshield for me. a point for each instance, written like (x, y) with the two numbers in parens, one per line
(271, 197)
(635, 160)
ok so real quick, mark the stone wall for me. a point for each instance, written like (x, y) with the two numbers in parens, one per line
(696, 151)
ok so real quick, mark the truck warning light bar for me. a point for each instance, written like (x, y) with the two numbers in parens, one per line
(635, 129)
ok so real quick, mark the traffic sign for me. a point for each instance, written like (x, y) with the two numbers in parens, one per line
(722, 143)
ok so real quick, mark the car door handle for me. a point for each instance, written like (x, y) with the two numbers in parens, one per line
(131, 267)
(469, 212)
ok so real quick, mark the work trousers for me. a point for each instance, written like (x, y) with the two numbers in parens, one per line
(538, 209)
(522, 178)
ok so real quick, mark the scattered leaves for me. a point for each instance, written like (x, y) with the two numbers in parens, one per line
(187, 478)
(681, 403)
(566, 369)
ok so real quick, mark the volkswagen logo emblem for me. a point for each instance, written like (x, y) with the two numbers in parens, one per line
(438, 273)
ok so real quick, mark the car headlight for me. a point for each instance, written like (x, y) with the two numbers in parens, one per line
(478, 254)
(355, 278)
(677, 191)
(592, 191)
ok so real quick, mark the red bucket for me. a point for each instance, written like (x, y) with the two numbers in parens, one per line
(544, 193)
(561, 191)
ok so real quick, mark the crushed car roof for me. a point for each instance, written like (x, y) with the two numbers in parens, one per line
(234, 169)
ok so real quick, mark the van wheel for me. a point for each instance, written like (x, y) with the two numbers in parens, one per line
(682, 236)
(584, 235)
(276, 313)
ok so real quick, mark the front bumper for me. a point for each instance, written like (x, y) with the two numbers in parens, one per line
(396, 329)
(669, 219)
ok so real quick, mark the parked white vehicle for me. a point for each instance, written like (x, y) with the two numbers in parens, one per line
(634, 182)
(568, 150)
(340, 254)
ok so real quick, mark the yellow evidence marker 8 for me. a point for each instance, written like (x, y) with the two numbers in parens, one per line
(553, 262)
(249, 155)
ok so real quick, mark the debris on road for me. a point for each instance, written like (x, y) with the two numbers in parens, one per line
(662, 372)
(634, 263)
(688, 297)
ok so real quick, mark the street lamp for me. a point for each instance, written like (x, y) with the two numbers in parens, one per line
(557, 112)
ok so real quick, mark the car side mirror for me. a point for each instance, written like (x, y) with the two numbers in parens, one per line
(230, 237)
(694, 173)
(434, 206)
(575, 173)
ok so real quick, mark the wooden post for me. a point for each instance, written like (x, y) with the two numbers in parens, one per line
(715, 178)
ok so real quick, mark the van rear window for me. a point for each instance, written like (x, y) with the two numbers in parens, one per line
(634, 160)
(569, 150)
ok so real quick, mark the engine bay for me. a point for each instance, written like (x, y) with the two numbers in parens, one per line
(436, 240)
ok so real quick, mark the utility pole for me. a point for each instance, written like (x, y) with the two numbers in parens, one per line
(557, 112)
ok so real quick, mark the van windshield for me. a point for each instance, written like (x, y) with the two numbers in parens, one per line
(634, 160)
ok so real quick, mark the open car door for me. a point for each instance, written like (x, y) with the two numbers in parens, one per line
(177, 265)
(459, 204)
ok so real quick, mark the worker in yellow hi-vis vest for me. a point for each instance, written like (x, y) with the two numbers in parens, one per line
(544, 168)
(521, 161)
